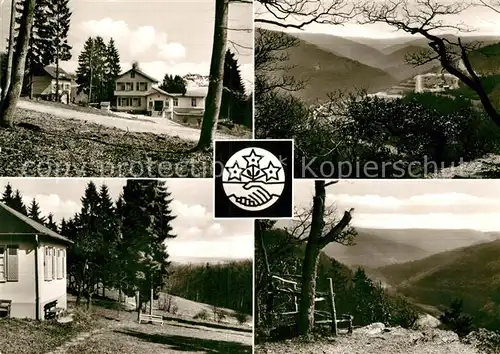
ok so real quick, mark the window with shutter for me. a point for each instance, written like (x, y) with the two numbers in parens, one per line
(2, 263)
(46, 264)
(54, 264)
(12, 264)
(59, 264)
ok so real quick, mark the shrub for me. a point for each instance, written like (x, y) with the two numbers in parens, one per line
(402, 313)
(202, 315)
(456, 320)
(241, 317)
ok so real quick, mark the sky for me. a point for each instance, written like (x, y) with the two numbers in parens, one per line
(482, 20)
(403, 204)
(198, 235)
(165, 36)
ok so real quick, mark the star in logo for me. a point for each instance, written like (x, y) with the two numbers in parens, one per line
(253, 159)
(234, 172)
(271, 172)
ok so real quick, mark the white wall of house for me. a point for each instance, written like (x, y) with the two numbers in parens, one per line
(130, 92)
(52, 264)
(190, 102)
(167, 104)
(18, 281)
(17, 278)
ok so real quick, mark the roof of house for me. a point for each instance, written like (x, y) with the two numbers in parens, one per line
(196, 92)
(37, 227)
(140, 73)
(189, 111)
(154, 90)
(51, 70)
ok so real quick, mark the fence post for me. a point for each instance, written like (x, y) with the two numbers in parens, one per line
(332, 307)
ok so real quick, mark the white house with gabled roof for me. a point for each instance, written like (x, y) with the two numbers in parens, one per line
(138, 92)
(32, 267)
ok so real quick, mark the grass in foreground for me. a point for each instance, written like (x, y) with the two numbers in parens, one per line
(139, 339)
(71, 148)
(24, 336)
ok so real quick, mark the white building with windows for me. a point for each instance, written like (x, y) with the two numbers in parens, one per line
(137, 92)
(32, 266)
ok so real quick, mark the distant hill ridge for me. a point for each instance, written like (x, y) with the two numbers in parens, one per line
(360, 63)
(325, 72)
(471, 273)
(381, 247)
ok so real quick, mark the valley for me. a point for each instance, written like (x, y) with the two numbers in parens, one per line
(327, 63)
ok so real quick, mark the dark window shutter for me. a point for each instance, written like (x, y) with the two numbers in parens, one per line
(12, 264)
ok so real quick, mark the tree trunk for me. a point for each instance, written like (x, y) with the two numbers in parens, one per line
(310, 265)
(8, 107)
(139, 305)
(10, 56)
(215, 86)
(315, 243)
(89, 301)
(79, 295)
(57, 75)
(308, 291)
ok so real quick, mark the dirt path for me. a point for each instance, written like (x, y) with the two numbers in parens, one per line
(172, 337)
(161, 126)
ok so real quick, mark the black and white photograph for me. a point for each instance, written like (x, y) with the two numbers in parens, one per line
(122, 266)
(380, 266)
(122, 88)
(383, 88)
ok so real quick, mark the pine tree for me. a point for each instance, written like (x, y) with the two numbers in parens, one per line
(174, 84)
(17, 203)
(91, 69)
(60, 50)
(50, 223)
(34, 212)
(86, 250)
(100, 69)
(110, 235)
(7, 194)
(146, 224)
(113, 69)
(233, 96)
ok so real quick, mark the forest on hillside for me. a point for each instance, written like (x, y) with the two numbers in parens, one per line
(355, 293)
(226, 285)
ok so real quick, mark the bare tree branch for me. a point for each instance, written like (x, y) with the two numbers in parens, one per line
(427, 18)
(300, 13)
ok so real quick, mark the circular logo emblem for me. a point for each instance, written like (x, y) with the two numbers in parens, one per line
(253, 179)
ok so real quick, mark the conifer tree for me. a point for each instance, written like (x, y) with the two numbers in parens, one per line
(88, 244)
(91, 69)
(146, 224)
(113, 68)
(174, 84)
(34, 212)
(17, 203)
(110, 235)
(7, 194)
(50, 223)
(60, 49)
(233, 96)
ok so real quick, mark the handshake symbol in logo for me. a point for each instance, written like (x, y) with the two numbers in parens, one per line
(253, 179)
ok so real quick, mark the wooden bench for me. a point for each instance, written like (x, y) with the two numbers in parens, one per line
(51, 310)
(5, 306)
(150, 318)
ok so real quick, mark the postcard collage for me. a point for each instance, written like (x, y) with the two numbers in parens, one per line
(249, 176)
